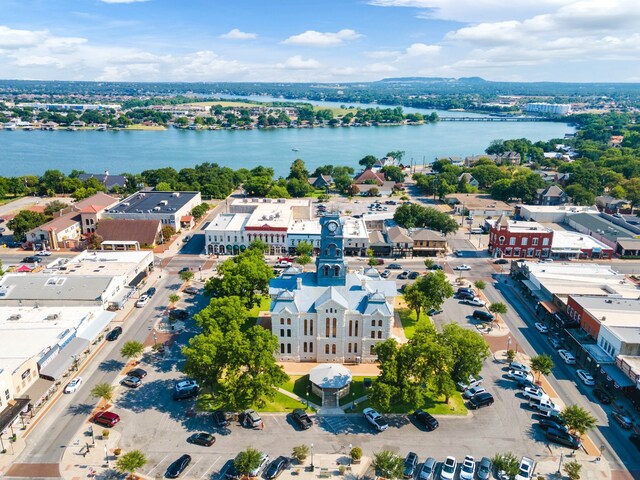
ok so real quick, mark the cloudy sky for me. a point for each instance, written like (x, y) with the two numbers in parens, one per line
(321, 40)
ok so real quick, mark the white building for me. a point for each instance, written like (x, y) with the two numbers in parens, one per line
(356, 236)
(552, 213)
(548, 108)
(303, 231)
(331, 315)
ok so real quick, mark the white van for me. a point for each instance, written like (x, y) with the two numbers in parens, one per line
(477, 230)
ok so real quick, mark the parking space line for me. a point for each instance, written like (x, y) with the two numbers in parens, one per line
(212, 465)
(156, 465)
(193, 465)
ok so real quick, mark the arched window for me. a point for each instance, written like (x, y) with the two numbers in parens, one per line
(373, 323)
(288, 348)
(335, 327)
(379, 333)
(282, 332)
(350, 328)
(337, 252)
(336, 270)
(311, 327)
(311, 347)
(282, 348)
(328, 329)
(349, 348)
(326, 349)
(305, 326)
(333, 349)
(373, 334)
(304, 347)
(379, 323)
(356, 328)
(288, 321)
(501, 240)
(355, 348)
(326, 269)
(371, 350)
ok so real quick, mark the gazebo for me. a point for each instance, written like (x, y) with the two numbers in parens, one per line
(330, 382)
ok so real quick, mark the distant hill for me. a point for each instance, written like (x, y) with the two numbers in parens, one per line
(431, 80)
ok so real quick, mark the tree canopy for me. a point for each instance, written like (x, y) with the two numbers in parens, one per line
(427, 292)
(412, 215)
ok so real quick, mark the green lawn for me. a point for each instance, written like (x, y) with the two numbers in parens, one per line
(280, 403)
(298, 385)
(434, 405)
(408, 320)
(265, 303)
(357, 390)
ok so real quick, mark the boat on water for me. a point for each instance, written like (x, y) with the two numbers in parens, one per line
(295, 150)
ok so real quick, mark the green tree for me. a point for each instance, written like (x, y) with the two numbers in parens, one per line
(304, 248)
(572, 469)
(167, 232)
(428, 292)
(200, 211)
(131, 461)
(186, 275)
(132, 349)
(174, 297)
(303, 260)
(278, 191)
(498, 307)
(163, 187)
(578, 419)
(542, 365)
(298, 170)
(388, 465)
(368, 161)
(429, 263)
(247, 460)
(506, 462)
(393, 173)
(469, 350)
(94, 241)
(24, 221)
(53, 207)
(398, 155)
(104, 391)
(300, 452)
(480, 284)
(580, 195)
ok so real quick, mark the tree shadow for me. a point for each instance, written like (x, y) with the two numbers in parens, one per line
(111, 365)
(83, 409)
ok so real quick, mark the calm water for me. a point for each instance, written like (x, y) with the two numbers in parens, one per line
(23, 153)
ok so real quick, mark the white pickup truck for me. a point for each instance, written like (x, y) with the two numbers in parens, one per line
(525, 470)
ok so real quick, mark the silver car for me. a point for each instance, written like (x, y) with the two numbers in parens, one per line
(427, 469)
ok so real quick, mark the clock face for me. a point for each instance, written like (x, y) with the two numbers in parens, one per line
(332, 226)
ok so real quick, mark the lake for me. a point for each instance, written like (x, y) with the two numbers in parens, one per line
(33, 152)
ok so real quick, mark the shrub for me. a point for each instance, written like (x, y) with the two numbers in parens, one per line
(356, 453)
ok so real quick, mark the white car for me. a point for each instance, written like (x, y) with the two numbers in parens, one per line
(142, 301)
(520, 375)
(534, 392)
(520, 366)
(567, 356)
(73, 385)
(541, 327)
(462, 267)
(468, 468)
(475, 301)
(44, 253)
(586, 377)
(525, 469)
(264, 459)
(375, 419)
(470, 392)
(448, 469)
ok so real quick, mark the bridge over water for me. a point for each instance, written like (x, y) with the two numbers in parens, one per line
(493, 119)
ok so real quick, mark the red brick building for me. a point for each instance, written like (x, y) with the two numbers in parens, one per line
(516, 239)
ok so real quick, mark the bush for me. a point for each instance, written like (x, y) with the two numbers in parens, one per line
(511, 354)
(300, 453)
(105, 433)
(356, 453)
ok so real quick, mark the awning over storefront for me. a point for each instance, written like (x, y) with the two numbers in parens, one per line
(95, 326)
(616, 375)
(59, 365)
(138, 278)
(9, 414)
(549, 307)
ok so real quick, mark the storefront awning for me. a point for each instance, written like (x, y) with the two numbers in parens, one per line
(616, 375)
(95, 326)
(549, 306)
(59, 365)
(9, 414)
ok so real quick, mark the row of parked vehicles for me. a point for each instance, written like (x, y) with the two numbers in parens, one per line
(468, 468)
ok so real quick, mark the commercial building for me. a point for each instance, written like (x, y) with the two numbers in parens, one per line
(331, 315)
(517, 239)
(477, 205)
(571, 245)
(551, 213)
(600, 228)
(167, 207)
(356, 236)
(303, 231)
(548, 108)
(428, 243)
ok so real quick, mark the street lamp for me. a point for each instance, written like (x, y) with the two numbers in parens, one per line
(307, 394)
(350, 446)
(509, 343)
(560, 464)
(601, 453)
(312, 457)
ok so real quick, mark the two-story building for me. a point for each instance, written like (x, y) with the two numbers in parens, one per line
(428, 243)
(518, 239)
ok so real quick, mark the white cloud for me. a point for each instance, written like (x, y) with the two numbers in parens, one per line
(205, 65)
(312, 38)
(382, 54)
(379, 68)
(11, 39)
(421, 50)
(298, 63)
(236, 34)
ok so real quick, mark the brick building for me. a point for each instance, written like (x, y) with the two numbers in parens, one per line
(517, 239)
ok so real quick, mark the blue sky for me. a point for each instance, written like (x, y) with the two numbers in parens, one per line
(323, 41)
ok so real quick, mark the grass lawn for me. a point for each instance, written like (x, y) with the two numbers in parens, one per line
(298, 385)
(337, 111)
(265, 303)
(434, 405)
(280, 403)
(408, 320)
(357, 390)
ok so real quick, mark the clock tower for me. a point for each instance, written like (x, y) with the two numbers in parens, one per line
(330, 267)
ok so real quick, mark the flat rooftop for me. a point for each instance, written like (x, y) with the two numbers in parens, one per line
(34, 287)
(595, 223)
(617, 312)
(232, 222)
(27, 331)
(627, 334)
(354, 228)
(572, 241)
(153, 202)
(559, 208)
(102, 263)
(305, 227)
(519, 226)
(471, 201)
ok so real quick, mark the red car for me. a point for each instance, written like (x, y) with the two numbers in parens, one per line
(106, 419)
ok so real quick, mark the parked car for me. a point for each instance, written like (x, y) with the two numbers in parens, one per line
(563, 438)
(192, 290)
(106, 419)
(178, 466)
(435, 266)
(525, 469)
(137, 372)
(567, 356)
(586, 377)
(466, 295)
(403, 276)
(466, 291)
(410, 464)
(448, 470)
(483, 316)
(472, 392)
(250, 418)
(220, 419)
(73, 385)
(501, 261)
(547, 423)
(459, 253)
(31, 260)
(555, 342)
(184, 269)
(276, 468)
(395, 266)
(520, 366)
(468, 468)
(543, 405)
(523, 383)
(434, 311)
(375, 419)
(44, 253)
(622, 420)
(283, 263)
(264, 460)
(427, 469)
(601, 395)
(202, 438)
(483, 399)
(542, 328)
(470, 383)
(301, 418)
(413, 275)
(186, 389)
(463, 267)
(520, 375)
(114, 334)
(484, 469)
(426, 419)
(131, 382)
(475, 301)
(634, 438)
(151, 291)
(386, 273)
(142, 301)
(534, 392)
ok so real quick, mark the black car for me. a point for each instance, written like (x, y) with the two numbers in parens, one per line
(484, 469)
(178, 314)
(301, 418)
(465, 290)
(410, 464)
(138, 372)
(31, 260)
(601, 395)
(276, 468)
(563, 438)
(466, 296)
(501, 261)
(426, 419)
(524, 383)
(114, 334)
(395, 266)
(483, 399)
(547, 423)
(184, 269)
(483, 316)
(202, 438)
(413, 275)
(150, 292)
(177, 467)
(435, 266)
(220, 419)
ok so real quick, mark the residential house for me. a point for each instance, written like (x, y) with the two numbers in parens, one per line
(468, 178)
(105, 179)
(401, 242)
(323, 181)
(428, 243)
(609, 204)
(551, 195)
